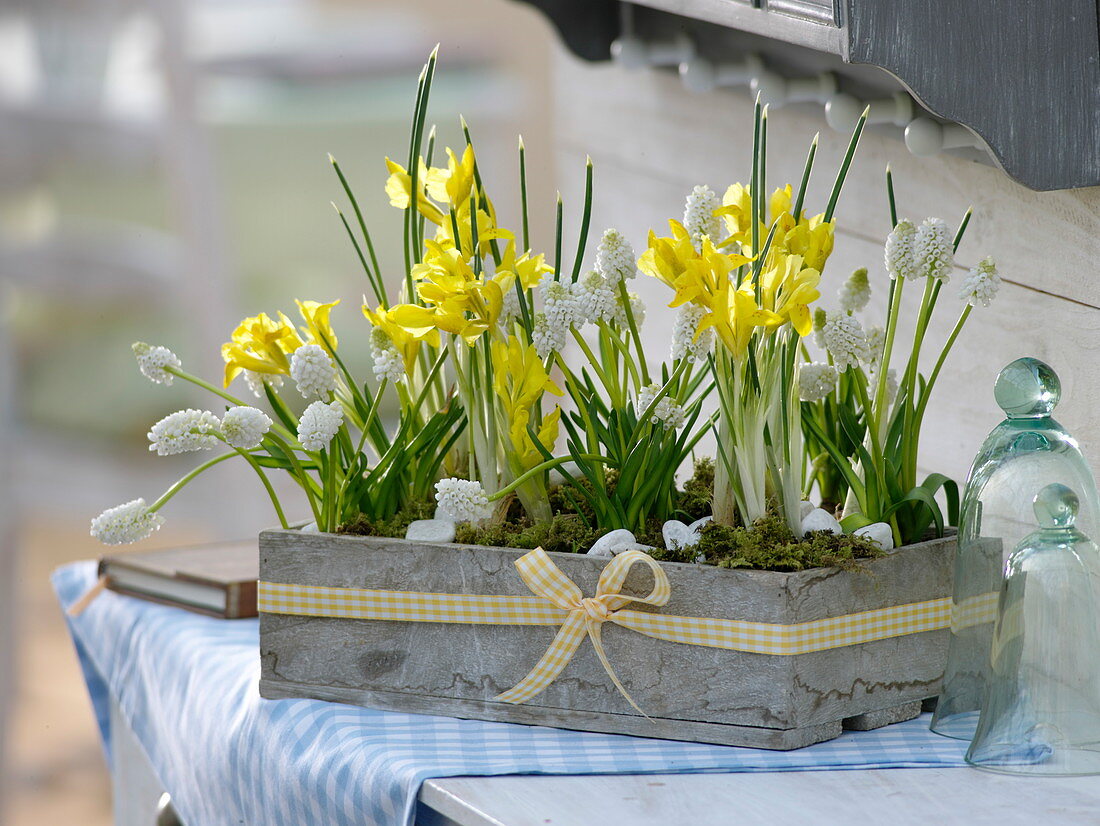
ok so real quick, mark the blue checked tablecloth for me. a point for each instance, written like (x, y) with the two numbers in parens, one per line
(187, 686)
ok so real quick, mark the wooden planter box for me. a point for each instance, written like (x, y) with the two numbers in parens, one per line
(690, 692)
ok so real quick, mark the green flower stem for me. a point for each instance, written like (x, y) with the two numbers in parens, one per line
(542, 467)
(217, 391)
(625, 298)
(592, 360)
(309, 487)
(182, 482)
(888, 348)
(248, 457)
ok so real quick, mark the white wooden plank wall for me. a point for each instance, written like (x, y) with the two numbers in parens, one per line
(651, 141)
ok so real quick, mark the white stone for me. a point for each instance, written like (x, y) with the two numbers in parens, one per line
(561, 475)
(309, 527)
(613, 542)
(697, 525)
(678, 535)
(806, 509)
(431, 530)
(820, 520)
(878, 531)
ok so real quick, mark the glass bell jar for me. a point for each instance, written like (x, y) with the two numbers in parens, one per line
(1023, 454)
(1041, 715)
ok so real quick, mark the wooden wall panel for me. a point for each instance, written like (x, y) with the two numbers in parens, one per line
(651, 143)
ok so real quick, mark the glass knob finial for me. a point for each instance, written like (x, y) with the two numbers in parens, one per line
(1056, 506)
(1027, 388)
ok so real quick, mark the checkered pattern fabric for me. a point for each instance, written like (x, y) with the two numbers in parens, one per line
(186, 684)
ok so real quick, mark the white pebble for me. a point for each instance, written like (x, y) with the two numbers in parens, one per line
(678, 535)
(880, 532)
(697, 525)
(431, 530)
(820, 520)
(806, 508)
(613, 542)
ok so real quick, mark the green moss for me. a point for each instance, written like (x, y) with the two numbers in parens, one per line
(696, 499)
(771, 546)
(396, 525)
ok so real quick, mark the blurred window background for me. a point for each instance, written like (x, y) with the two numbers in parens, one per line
(163, 173)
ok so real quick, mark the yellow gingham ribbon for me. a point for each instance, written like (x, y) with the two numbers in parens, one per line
(559, 601)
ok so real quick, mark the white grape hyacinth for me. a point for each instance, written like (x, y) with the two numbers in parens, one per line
(152, 362)
(127, 523)
(313, 371)
(876, 343)
(388, 363)
(637, 310)
(184, 431)
(981, 284)
(699, 218)
(462, 500)
(855, 293)
(900, 262)
(319, 424)
(932, 249)
(687, 340)
(615, 258)
(816, 381)
(845, 341)
(667, 411)
(546, 340)
(245, 427)
(257, 381)
(596, 300)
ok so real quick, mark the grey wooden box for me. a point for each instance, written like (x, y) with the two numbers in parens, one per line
(690, 692)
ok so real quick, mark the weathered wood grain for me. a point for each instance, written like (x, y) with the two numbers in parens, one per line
(692, 692)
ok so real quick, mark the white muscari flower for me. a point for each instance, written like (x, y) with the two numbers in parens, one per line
(388, 363)
(462, 500)
(981, 284)
(699, 218)
(816, 381)
(900, 262)
(876, 341)
(855, 293)
(562, 308)
(637, 309)
(596, 300)
(615, 258)
(256, 382)
(313, 371)
(184, 431)
(126, 523)
(845, 341)
(685, 341)
(509, 309)
(820, 319)
(932, 249)
(545, 339)
(319, 424)
(152, 361)
(245, 427)
(667, 411)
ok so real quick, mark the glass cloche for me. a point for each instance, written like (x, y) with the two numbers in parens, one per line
(1023, 454)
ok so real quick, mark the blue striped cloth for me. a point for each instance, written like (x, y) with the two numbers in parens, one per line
(187, 686)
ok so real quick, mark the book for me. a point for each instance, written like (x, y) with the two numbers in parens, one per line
(218, 579)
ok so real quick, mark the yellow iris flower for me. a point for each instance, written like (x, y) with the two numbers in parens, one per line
(487, 229)
(399, 188)
(812, 238)
(528, 268)
(520, 379)
(261, 344)
(454, 184)
(788, 288)
(457, 300)
(318, 330)
(406, 343)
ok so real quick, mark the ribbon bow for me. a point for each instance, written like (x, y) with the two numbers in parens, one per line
(586, 615)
